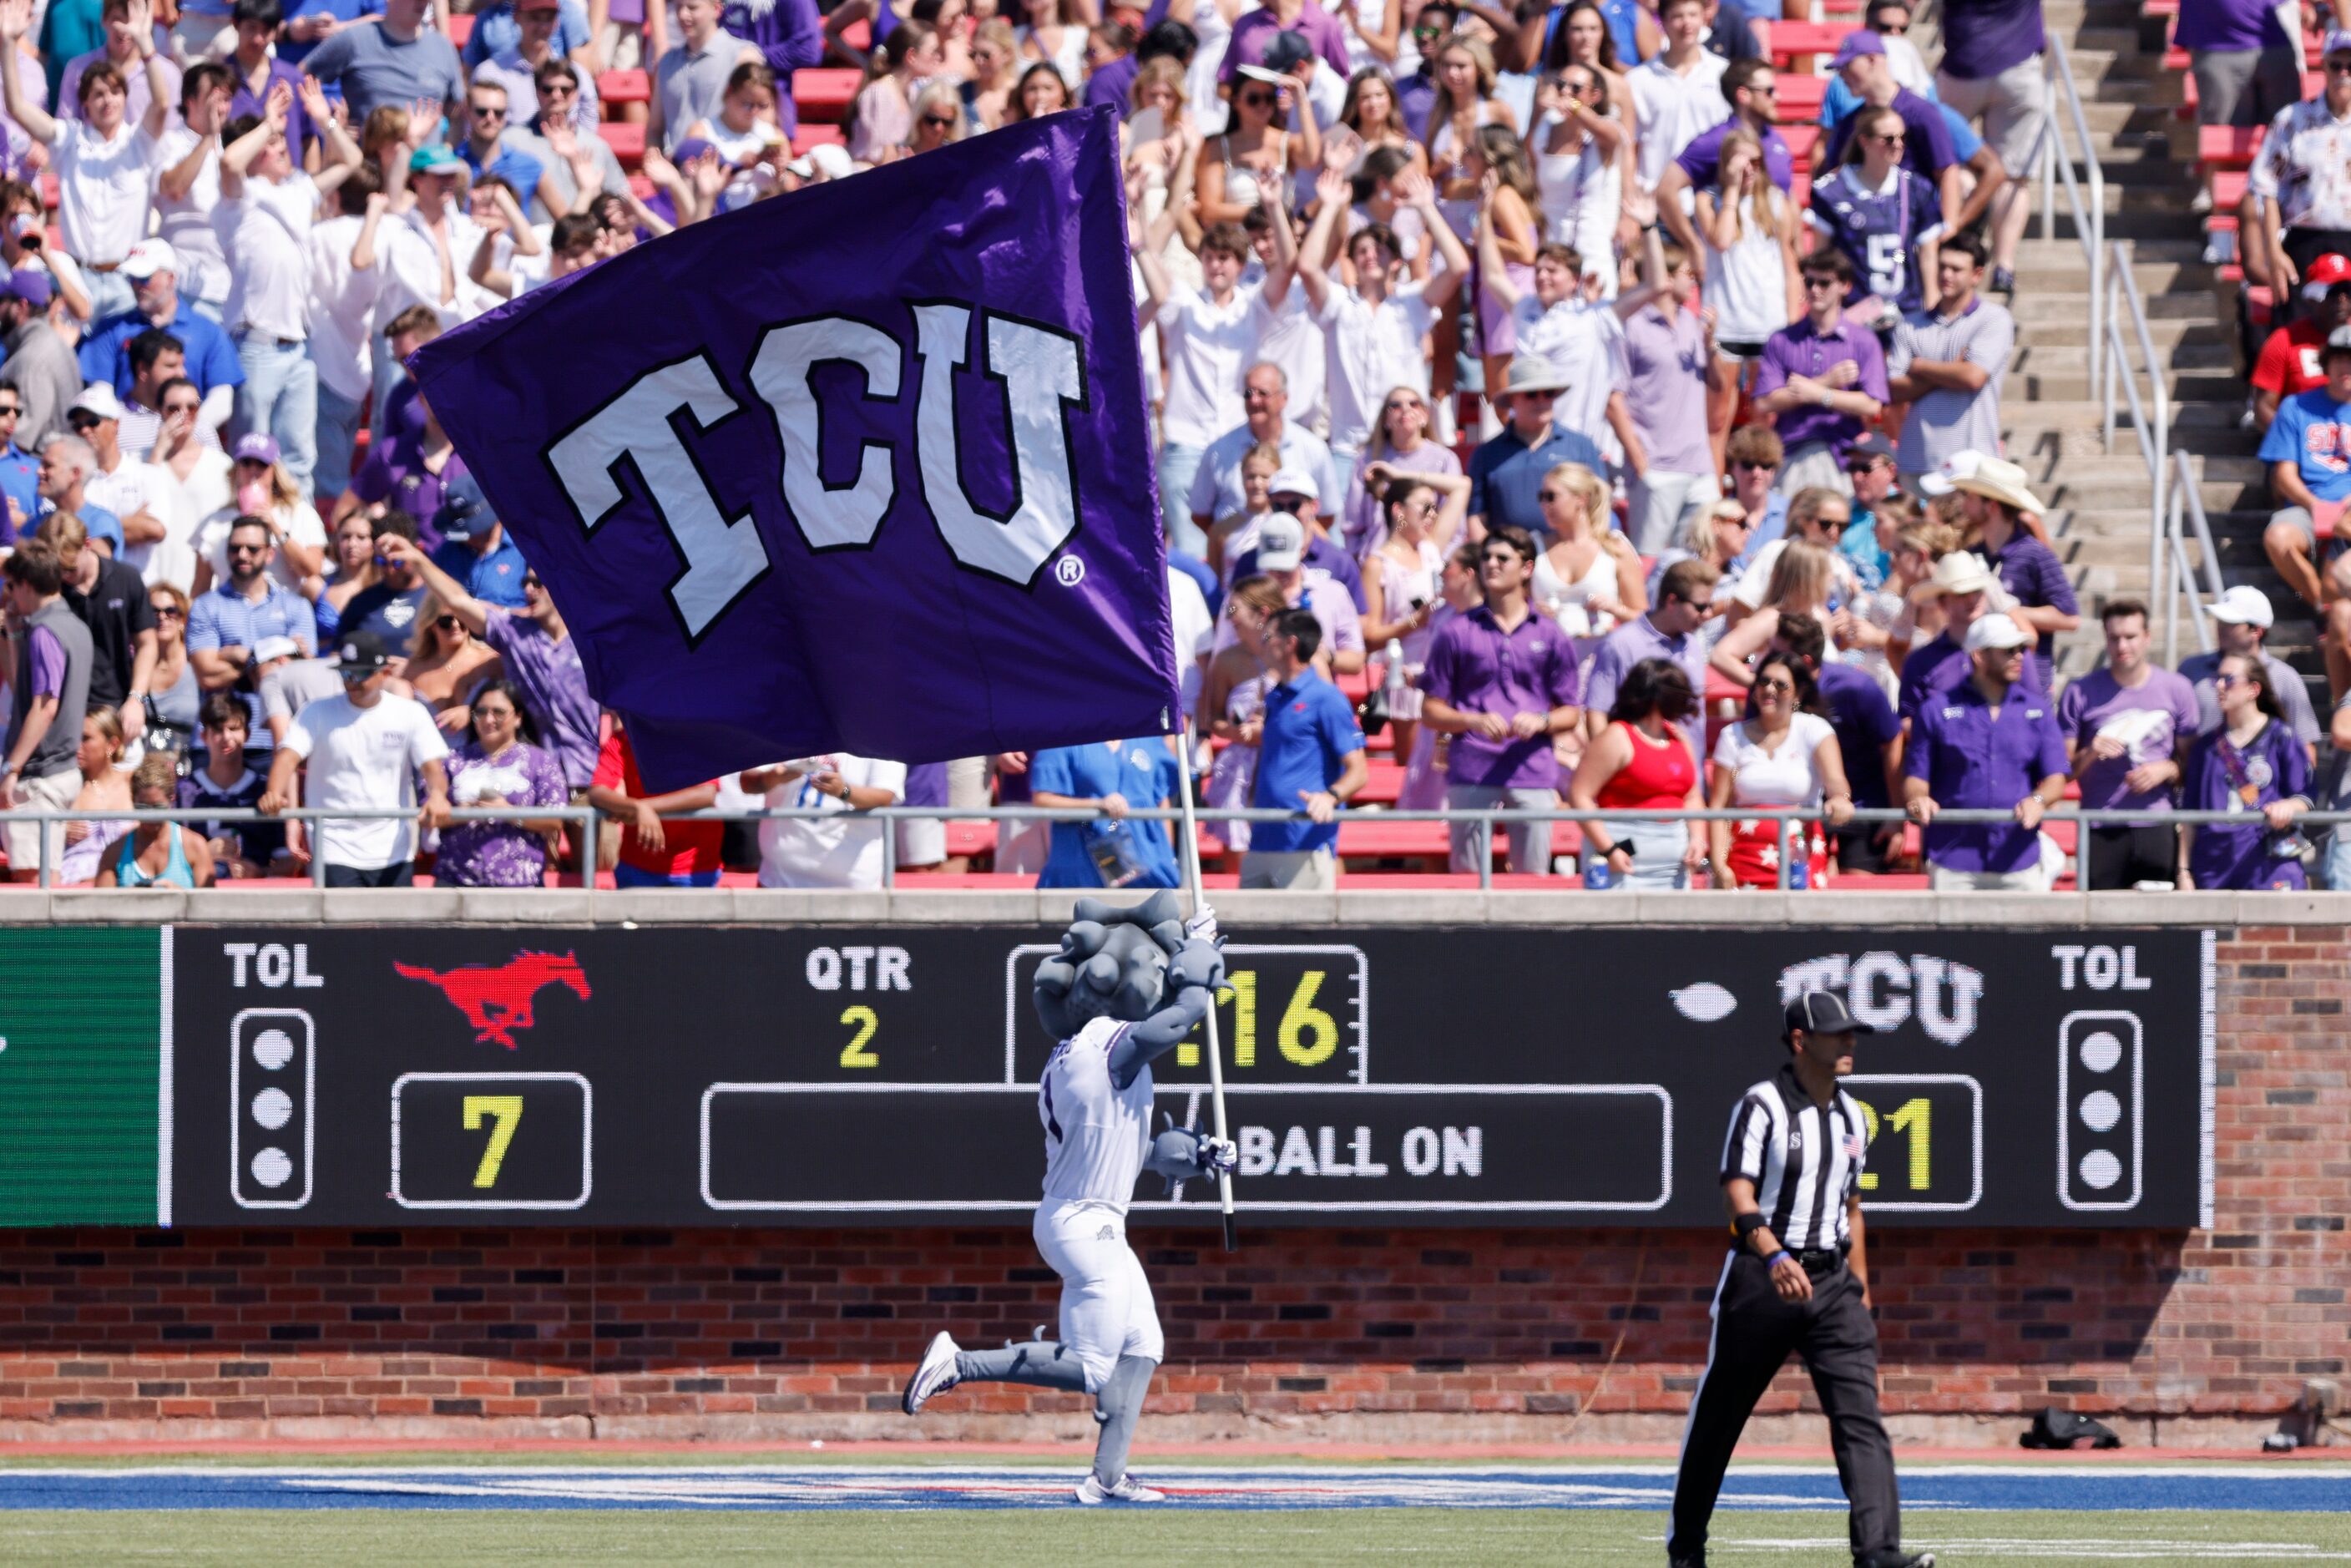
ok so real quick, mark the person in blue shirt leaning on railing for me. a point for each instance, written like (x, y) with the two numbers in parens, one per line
(1310, 757)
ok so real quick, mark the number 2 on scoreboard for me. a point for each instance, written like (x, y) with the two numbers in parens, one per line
(504, 1115)
(854, 1054)
(1916, 1120)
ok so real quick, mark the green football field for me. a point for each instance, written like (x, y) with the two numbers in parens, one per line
(335, 1537)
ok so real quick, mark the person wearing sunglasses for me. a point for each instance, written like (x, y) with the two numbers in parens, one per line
(2251, 765)
(516, 69)
(1993, 742)
(1821, 378)
(41, 371)
(1927, 148)
(20, 471)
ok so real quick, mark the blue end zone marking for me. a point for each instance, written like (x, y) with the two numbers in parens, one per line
(2295, 1489)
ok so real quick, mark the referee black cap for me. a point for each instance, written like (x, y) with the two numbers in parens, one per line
(1825, 1012)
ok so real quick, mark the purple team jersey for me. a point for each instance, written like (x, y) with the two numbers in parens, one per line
(1879, 231)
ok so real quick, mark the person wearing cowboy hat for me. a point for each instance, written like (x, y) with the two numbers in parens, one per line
(1998, 502)
(1989, 744)
(1506, 473)
(1967, 591)
(2308, 451)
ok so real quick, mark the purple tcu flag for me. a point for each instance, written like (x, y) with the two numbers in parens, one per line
(863, 468)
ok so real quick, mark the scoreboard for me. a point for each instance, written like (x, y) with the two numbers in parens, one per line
(1520, 1075)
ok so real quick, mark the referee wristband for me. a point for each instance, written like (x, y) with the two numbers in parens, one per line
(1773, 1260)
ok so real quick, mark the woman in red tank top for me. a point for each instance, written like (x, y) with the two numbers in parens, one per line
(1643, 759)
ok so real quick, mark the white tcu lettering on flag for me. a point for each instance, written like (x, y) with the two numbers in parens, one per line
(723, 555)
(1041, 372)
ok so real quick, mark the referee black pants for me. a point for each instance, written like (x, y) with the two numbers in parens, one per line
(1754, 1332)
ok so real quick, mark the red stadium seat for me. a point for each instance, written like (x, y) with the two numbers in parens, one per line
(48, 191)
(1791, 41)
(1804, 141)
(1385, 784)
(824, 93)
(626, 140)
(971, 838)
(461, 27)
(624, 87)
(809, 136)
(2228, 146)
(1800, 100)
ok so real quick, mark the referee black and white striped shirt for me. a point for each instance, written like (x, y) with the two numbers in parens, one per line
(1805, 1158)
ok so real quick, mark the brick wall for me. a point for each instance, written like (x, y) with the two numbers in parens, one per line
(1384, 1335)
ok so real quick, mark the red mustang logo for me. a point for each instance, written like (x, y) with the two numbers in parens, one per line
(497, 1000)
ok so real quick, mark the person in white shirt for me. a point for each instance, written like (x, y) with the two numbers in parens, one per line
(102, 159)
(1206, 335)
(341, 315)
(1374, 330)
(830, 851)
(1565, 322)
(188, 172)
(423, 249)
(127, 489)
(267, 208)
(364, 750)
(1288, 334)
(1676, 93)
(193, 480)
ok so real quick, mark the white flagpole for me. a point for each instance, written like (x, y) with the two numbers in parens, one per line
(1183, 739)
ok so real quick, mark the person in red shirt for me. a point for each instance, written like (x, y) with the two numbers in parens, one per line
(655, 853)
(2289, 360)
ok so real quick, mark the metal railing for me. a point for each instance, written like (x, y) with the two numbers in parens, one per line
(2150, 415)
(2085, 196)
(2175, 574)
(1789, 820)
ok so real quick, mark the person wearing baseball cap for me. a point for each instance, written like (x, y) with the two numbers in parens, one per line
(2241, 619)
(1505, 474)
(2291, 360)
(1797, 1279)
(1989, 744)
(1927, 148)
(40, 367)
(1292, 491)
(1285, 552)
(2308, 451)
(475, 546)
(363, 751)
(2303, 210)
(211, 362)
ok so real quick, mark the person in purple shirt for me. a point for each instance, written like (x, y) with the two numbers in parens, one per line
(541, 659)
(1991, 68)
(791, 37)
(1112, 65)
(1416, 95)
(1750, 87)
(2251, 764)
(1820, 380)
(254, 71)
(1998, 502)
(1989, 745)
(412, 471)
(1684, 604)
(1926, 148)
(2129, 727)
(1502, 682)
(1964, 584)
(1254, 34)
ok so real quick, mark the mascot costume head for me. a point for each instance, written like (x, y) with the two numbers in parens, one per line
(1112, 964)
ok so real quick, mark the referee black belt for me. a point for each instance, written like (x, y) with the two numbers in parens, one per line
(1818, 1262)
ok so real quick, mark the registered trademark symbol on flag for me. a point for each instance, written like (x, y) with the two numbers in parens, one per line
(1070, 571)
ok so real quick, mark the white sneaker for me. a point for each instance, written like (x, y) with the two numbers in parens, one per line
(935, 1375)
(1093, 1494)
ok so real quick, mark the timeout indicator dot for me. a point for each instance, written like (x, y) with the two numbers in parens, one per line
(273, 1048)
(271, 1167)
(2101, 1051)
(2100, 1169)
(272, 1107)
(2100, 1110)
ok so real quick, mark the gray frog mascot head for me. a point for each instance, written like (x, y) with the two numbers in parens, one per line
(1112, 964)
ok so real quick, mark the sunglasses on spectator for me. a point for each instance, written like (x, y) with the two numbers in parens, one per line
(444, 623)
(10, 409)
(182, 407)
(81, 419)
(557, 90)
(1776, 685)
(1751, 466)
(2225, 682)
(247, 549)
(1823, 280)
(1888, 137)
(172, 611)
(488, 111)
(938, 122)
(1499, 557)
(1256, 100)
(2338, 68)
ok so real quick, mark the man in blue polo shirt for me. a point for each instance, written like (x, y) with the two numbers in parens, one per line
(212, 363)
(1506, 473)
(1310, 757)
(1988, 744)
(475, 549)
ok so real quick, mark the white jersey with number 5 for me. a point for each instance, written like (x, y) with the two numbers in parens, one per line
(1096, 1134)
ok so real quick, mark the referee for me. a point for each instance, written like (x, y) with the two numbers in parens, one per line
(1797, 1279)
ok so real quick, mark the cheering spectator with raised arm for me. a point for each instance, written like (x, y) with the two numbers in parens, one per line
(1206, 335)
(101, 155)
(1374, 330)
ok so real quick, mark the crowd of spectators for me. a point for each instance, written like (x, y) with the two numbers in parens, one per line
(1527, 394)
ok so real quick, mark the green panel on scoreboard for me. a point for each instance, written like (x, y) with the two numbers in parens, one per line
(80, 1012)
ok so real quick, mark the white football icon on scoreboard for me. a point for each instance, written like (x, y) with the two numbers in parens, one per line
(1704, 1002)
